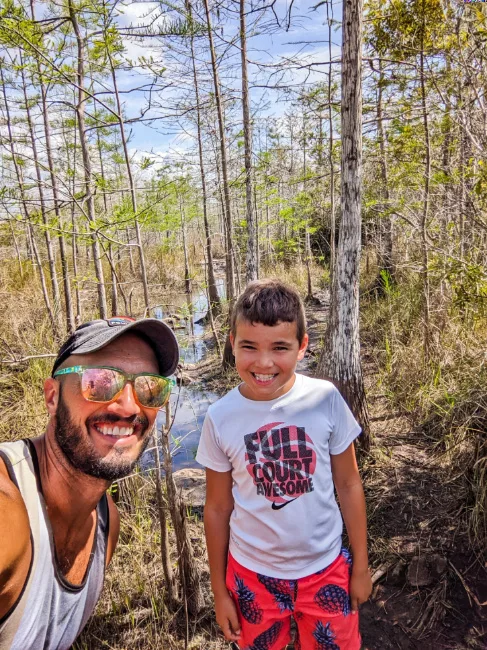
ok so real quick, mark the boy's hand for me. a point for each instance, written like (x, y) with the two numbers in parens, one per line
(226, 617)
(360, 588)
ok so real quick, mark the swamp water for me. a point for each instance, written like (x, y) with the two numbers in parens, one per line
(188, 403)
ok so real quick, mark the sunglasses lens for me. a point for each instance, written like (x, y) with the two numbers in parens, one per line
(101, 384)
(151, 391)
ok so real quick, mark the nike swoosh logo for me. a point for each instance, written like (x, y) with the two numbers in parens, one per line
(278, 506)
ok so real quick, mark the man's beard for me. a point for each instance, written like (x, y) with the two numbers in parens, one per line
(81, 453)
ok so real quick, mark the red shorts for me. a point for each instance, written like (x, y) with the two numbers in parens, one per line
(319, 603)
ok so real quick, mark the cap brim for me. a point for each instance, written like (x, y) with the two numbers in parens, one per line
(156, 331)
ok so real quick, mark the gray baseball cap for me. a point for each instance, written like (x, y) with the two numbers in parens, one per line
(96, 334)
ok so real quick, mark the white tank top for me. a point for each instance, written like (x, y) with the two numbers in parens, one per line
(50, 611)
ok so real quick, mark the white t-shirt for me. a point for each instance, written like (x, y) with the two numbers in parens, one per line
(286, 522)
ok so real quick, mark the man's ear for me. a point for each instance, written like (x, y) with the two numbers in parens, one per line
(51, 395)
(302, 347)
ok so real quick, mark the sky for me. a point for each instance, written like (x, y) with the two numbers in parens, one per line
(306, 39)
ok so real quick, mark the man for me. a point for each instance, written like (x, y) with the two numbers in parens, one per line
(58, 527)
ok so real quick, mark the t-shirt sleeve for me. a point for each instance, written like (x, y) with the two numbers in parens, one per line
(345, 426)
(209, 453)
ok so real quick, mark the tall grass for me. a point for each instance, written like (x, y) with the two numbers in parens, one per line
(446, 395)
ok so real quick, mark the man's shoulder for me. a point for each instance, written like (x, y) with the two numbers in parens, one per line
(11, 500)
(14, 522)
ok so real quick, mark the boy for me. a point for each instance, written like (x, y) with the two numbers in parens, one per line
(274, 447)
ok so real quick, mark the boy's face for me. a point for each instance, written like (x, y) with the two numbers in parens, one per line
(266, 358)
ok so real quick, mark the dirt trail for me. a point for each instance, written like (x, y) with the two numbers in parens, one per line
(418, 545)
(422, 565)
(418, 540)
(426, 578)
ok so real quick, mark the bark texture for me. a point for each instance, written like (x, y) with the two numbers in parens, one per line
(250, 215)
(340, 360)
(188, 570)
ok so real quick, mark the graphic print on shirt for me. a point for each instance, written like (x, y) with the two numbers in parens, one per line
(281, 461)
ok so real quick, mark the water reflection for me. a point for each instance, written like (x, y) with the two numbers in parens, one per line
(188, 403)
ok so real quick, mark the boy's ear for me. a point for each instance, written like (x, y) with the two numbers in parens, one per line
(232, 340)
(302, 347)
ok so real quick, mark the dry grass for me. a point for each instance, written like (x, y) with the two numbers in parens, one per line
(132, 612)
(447, 395)
(426, 476)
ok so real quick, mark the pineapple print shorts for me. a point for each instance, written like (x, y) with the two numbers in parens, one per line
(319, 604)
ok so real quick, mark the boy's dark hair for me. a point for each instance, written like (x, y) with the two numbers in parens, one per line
(269, 302)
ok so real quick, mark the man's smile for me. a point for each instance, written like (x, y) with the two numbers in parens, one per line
(114, 431)
(121, 432)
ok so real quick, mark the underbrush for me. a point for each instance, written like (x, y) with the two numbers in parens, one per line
(132, 612)
(445, 395)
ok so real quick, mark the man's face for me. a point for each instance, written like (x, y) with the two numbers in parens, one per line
(88, 433)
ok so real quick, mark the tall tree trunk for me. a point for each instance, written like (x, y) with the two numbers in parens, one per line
(188, 570)
(88, 174)
(214, 304)
(425, 212)
(40, 184)
(163, 524)
(307, 237)
(23, 201)
(114, 297)
(340, 359)
(68, 302)
(133, 194)
(224, 164)
(386, 263)
(187, 274)
(250, 215)
(329, 18)
(74, 238)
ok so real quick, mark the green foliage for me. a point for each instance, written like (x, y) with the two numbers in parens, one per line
(469, 284)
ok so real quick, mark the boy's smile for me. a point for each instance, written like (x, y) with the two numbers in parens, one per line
(266, 358)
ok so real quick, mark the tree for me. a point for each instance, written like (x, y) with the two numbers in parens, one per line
(340, 359)
(86, 156)
(250, 215)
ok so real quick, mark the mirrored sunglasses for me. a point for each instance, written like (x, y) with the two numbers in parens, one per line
(104, 384)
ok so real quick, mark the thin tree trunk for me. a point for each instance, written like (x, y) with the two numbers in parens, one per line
(17, 251)
(307, 238)
(114, 297)
(45, 293)
(70, 323)
(250, 215)
(214, 298)
(329, 18)
(187, 274)
(188, 570)
(386, 263)
(223, 153)
(49, 247)
(165, 558)
(210, 314)
(74, 240)
(133, 194)
(340, 360)
(88, 175)
(30, 235)
(424, 216)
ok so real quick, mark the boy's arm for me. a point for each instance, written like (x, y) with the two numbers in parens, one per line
(218, 509)
(352, 504)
